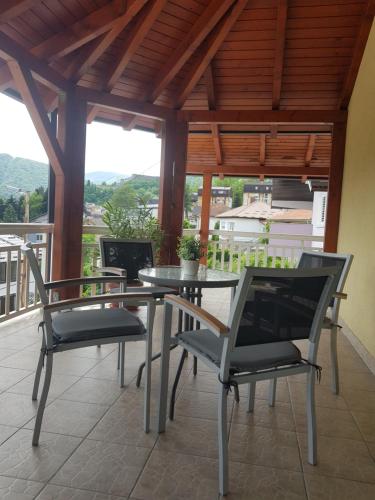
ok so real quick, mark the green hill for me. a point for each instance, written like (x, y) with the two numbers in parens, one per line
(21, 173)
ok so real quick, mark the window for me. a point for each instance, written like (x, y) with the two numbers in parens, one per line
(323, 212)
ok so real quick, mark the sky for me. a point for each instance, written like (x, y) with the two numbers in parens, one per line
(108, 147)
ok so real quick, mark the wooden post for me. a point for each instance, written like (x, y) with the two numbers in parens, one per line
(335, 187)
(69, 188)
(172, 186)
(205, 211)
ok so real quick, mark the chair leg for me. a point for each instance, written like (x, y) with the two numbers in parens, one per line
(272, 392)
(122, 363)
(334, 362)
(236, 394)
(195, 366)
(251, 396)
(43, 398)
(38, 373)
(148, 362)
(223, 441)
(311, 418)
(118, 355)
(175, 384)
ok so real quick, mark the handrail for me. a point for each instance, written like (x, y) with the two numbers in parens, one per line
(22, 229)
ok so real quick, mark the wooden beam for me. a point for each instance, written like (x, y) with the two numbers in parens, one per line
(67, 235)
(92, 111)
(133, 40)
(217, 143)
(205, 212)
(310, 149)
(210, 87)
(172, 186)
(256, 170)
(83, 31)
(274, 131)
(13, 8)
(262, 149)
(282, 16)
(128, 121)
(9, 49)
(335, 187)
(31, 97)
(6, 78)
(264, 116)
(207, 52)
(363, 34)
(108, 100)
(201, 28)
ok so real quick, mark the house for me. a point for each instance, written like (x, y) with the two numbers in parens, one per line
(319, 189)
(257, 192)
(291, 193)
(221, 196)
(295, 222)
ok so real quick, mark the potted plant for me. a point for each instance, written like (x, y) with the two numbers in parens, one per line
(190, 250)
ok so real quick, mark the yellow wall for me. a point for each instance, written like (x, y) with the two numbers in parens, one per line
(357, 221)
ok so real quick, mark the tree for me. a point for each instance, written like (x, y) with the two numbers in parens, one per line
(10, 214)
(124, 197)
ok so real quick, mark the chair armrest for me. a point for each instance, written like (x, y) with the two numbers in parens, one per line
(340, 295)
(84, 281)
(97, 299)
(212, 323)
(113, 270)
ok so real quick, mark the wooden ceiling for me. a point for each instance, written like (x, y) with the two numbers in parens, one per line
(204, 55)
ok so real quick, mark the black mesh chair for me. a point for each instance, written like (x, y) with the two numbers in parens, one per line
(271, 308)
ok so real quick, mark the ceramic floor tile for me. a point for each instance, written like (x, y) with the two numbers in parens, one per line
(262, 390)
(323, 396)
(19, 459)
(337, 457)
(359, 400)
(103, 467)
(366, 424)
(6, 431)
(18, 489)
(279, 416)
(330, 422)
(59, 384)
(90, 390)
(16, 409)
(5, 353)
(24, 360)
(54, 492)
(172, 476)
(66, 363)
(358, 381)
(190, 436)
(329, 488)
(107, 370)
(264, 446)
(199, 405)
(252, 482)
(10, 377)
(70, 417)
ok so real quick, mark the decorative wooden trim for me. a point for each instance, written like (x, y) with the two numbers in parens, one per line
(335, 187)
(363, 34)
(282, 16)
(201, 28)
(13, 8)
(205, 212)
(33, 101)
(133, 40)
(83, 31)
(9, 49)
(208, 51)
(264, 116)
(203, 316)
(256, 170)
(310, 149)
(108, 100)
(262, 149)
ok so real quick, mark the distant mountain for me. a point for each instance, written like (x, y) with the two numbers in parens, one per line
(21, 173)
(108, 177)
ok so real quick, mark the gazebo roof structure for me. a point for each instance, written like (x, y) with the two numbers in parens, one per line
(259, 87)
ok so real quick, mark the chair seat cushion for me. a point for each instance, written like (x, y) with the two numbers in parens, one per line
(250, 358)
(89, 324)
(158, 292)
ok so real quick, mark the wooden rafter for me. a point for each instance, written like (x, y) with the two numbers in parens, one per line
(310, 149)
(6, 78)
(207, 52)
(128, 121)
(262, 149)
(201, 28)
(215, 129)
(210, 87)
(217, 143)
(273, 131)
(9, 49)
(31, 97)
(13, 8)
(282, 15)
(83, 31)
(242, 170)
(364, 31)
(264, 116)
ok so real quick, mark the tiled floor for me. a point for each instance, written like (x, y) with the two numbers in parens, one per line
(93, 446)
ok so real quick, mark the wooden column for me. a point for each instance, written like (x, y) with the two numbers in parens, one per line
(205, 211)
(172, 186)
(335, 187)
(69, 188)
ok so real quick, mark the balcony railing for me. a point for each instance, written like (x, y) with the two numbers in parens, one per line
(227, 250)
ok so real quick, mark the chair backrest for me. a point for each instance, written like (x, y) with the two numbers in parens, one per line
(131, 255)
(275, 305)
(28, 252)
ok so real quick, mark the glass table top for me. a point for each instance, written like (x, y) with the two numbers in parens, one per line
(174, 276)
